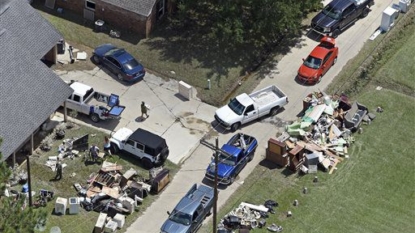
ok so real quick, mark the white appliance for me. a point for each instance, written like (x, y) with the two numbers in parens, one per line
(73, 205)
(119, 219)
(404, 5)
(60, 205)
(388, 18)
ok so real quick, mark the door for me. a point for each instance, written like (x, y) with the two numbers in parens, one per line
(327, 62)
(130, 147)
(348, 16)
(250, 114)
(113, 65)
(241, 162)
(197, 218)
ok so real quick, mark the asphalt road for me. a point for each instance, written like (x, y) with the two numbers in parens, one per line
(184, 122)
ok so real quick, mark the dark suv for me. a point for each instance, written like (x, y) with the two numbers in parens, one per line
(338, 15)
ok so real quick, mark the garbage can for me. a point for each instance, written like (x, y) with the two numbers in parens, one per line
(61, 46)
(99, 25)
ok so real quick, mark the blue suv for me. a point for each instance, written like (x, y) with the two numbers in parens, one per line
(119, 62)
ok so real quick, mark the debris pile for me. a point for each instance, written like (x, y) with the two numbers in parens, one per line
(249, 216)
(322, 136)
(115, 194)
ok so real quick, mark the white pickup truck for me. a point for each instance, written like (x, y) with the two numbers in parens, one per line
(245, 108)
(86, 100)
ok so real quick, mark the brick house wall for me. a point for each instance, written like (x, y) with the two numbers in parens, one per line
(121, 18)
(115, 16)
(76, 6)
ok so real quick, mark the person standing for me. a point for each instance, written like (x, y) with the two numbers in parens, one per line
(144, 109)
(107, 145)
(93, 151)
(58, 170)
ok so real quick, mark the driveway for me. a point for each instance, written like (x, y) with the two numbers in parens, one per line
(183, 123)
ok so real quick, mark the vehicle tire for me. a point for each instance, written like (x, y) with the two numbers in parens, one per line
(235, 126)
(319, 79)
(114, 149)
(119, 76)
(95, 59)
(274, 111)
(251, 156)
(231, 180)
(365, 12)
(147, 163)
(334, 61)
(209, 213)
(335, 33)
(95, 117)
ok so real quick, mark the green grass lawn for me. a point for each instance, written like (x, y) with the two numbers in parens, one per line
(373, 190)
(42, 178)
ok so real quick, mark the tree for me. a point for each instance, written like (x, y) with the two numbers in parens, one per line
(247, 21)
(13, 216)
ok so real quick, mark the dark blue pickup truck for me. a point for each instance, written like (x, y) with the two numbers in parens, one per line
(238, 152)
(339, 15)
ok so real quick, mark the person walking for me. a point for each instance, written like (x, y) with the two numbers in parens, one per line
(144, 109)
(107, 145)
(58, 170)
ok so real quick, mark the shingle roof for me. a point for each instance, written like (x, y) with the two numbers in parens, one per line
(141, 7)
(29, 91)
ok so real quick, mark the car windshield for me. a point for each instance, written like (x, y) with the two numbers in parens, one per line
(331, 12)
(312, 62)
(237, 107)
(227, 160)
(180, 217)
(131, 64)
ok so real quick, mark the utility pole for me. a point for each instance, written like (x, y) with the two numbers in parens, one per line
(29, 182)
(215, 192)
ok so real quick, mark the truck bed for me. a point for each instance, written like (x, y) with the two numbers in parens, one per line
(266, 96)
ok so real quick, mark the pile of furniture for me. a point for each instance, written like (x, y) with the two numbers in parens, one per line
(321, 137)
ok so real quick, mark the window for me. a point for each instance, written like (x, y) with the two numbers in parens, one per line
(114, 62)
(161, 6)
(76, 98)
(130, 142)
(249, 109)
(140, 146)
(90, 5)
(327, 57)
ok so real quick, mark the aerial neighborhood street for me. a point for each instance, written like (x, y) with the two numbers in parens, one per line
(185, 122)
(171, 115)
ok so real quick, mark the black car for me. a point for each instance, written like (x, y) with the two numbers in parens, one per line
(338, 15)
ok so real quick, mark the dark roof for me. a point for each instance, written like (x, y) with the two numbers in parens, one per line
(147, 138)
(141, 7)
(340, 4)
(29, 91)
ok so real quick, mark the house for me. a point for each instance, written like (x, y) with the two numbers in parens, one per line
(138, 16)
(29, 90)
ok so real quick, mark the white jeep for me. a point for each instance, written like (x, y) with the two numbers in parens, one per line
(149, 147)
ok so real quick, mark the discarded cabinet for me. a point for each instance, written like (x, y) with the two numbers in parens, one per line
(277, 153)
(297, 158)
(160, 181)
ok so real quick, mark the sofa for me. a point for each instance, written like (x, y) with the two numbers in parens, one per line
(354, 116)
